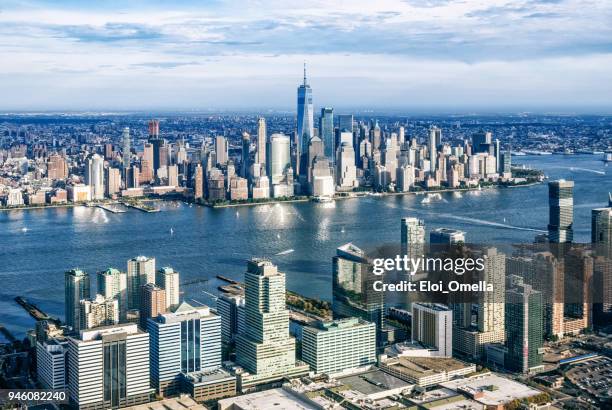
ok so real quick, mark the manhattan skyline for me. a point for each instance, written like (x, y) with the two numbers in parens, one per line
(422, 56)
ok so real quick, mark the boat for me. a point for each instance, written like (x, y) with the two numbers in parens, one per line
(171, 231)
(608, 157)
(323, 199)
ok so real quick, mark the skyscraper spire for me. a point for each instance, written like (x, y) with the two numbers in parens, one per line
(304, 73)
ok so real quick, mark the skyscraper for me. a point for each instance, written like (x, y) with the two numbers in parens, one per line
(346, 171)
(168, 279)
(432, 326)
(112, 284)
(140, 271)
(265, 349)
(601, 230)
(435, 137)
(561, 211)
(412, 236)
(126, 147)
(183, 341)
(231, 310)
(246, 146)
(221, 149)
(108, 368)
(524, 327)
(352, 287)
(470, 338)
(99, 311)
(345, 122)
(76, 288)
(260, 154)
(152, 302)
(279, 159)
(326, 132)
(94, 176)
(305, 114)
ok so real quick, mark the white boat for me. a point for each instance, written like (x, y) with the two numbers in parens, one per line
(171, 231)
(323, 199)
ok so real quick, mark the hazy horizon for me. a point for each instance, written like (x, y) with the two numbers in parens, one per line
(418, 56)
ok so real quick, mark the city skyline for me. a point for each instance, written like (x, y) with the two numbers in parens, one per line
(422, 56)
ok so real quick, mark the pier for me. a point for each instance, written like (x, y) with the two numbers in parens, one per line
(34, 311)
(141, 207)
(228, 280)
(110, 208)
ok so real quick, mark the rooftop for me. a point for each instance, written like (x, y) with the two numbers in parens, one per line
(492, 389)
(277, 399)
(183, 402)
(373, 381)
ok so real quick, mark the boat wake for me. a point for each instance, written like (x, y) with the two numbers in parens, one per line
(287, 252)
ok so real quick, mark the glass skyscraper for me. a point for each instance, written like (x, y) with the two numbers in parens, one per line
(561, 211)
(326, 132)
(305, 114)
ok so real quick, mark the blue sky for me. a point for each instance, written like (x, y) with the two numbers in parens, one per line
(414, 55)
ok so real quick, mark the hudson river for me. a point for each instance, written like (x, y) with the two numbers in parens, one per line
(37, 246)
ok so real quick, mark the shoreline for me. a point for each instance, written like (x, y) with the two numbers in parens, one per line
(351, 195)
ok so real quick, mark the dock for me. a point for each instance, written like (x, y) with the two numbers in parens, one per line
(34, 311)
(141, 207)
(110, 208)
(228, 280)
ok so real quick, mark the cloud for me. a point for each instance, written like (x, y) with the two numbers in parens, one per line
(106, 43)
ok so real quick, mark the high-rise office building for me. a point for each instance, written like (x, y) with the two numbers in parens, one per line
(432, 326)
(412, 237)
(99, 311)
(561, 211)
(51, 363)
(346, 171)
(481, 141)
(524, 327)
(221, 150)
(152, 302)
(173, 175)
(352, 287)
(279, 158)
(470, 337)
(168, 279)
(245, 159)
(601, 230)
(146, 163)
(126, 147)
(345, 122)
(326, 132)
(76, 288)
(265, 349)
(113, 181)
(108, 368)
(260, 153)
(305, 114)
(140, 271)
(94, 176)
(231, 310)
(339, 345)
(112, 284)
(183, 341)
(435, 137)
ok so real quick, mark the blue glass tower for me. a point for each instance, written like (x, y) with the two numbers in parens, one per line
(305, 114)
(326, 131)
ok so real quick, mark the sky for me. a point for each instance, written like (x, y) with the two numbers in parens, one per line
(410, 55)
